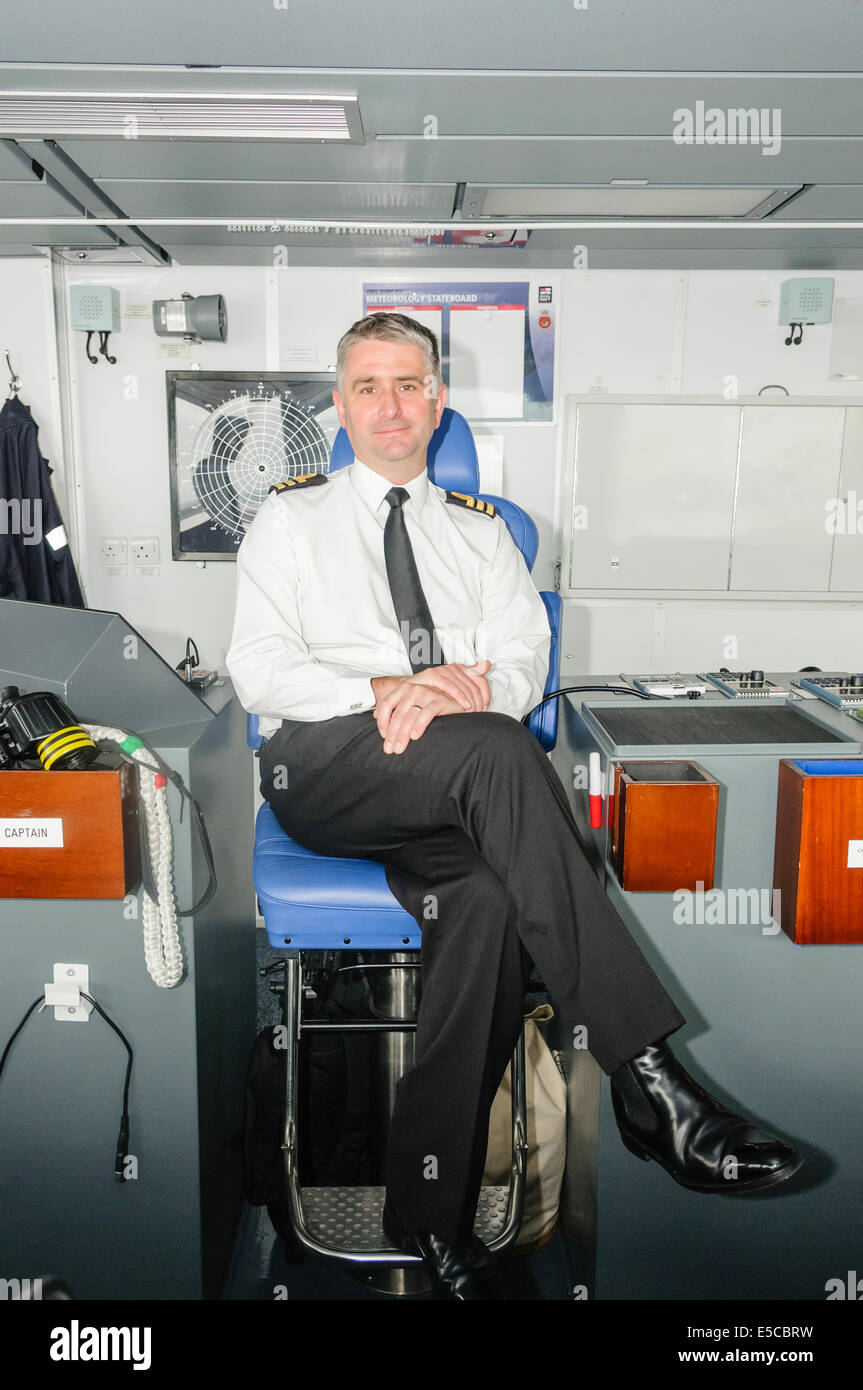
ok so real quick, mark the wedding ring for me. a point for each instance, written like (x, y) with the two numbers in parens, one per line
(416, 706)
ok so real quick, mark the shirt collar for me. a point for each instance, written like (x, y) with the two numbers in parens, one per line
(373, 488)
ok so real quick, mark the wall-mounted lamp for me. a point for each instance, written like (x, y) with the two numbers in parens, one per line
(200, 319)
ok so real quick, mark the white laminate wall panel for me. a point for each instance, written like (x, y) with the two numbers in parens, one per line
(789, 468)
(846, 511)
(657, 483)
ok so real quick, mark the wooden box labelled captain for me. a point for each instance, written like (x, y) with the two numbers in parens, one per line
(819, 850)
(664, 826)
(68, 834)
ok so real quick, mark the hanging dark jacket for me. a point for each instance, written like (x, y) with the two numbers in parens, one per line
(35, 561)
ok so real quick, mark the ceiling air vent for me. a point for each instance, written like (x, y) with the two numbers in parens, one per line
(106, 255)
(119, 115)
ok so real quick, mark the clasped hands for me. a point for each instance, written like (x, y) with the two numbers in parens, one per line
(406, 705)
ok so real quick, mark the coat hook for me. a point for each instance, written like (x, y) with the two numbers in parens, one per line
(14, 381)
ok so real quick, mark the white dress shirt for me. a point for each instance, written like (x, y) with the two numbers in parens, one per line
(315, 621)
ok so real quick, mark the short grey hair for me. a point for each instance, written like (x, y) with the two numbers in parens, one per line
(394, 328)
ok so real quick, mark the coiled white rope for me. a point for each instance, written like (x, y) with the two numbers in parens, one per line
(163, 952)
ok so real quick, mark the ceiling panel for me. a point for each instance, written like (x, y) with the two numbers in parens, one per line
(574, 128)
(41, 234)
(773, 34)
(426, 132)
(827, 200)
(554, 103)
(31, 199)
(12, 167)
(478, 161)
(248, 199)
(771, 238)
(805, 257)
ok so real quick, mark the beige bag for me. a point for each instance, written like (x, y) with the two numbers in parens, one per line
(545, 1090)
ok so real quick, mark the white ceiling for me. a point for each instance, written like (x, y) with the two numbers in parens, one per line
(538, 94)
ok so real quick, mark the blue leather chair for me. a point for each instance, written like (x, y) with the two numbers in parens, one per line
(313, 903)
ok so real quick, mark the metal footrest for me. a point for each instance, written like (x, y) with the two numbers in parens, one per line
(350, 1217)
(345, 1223)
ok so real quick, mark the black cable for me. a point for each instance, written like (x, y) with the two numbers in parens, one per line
(148, 882)
(104, 334)
(34, 1005)
(197, 813)
(606, 689)
(146, 863)
(123, 1137)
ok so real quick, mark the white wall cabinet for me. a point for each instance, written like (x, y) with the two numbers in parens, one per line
(698, 496)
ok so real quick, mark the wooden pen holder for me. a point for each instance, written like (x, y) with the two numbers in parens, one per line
(663, 831)
(818, 866)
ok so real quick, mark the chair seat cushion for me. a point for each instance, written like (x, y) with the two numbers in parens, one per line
(311, 902)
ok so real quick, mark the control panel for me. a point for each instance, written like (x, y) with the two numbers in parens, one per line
(842, 689)
(670, 687)
(749, 684)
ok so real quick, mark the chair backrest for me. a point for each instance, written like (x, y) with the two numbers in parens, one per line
(543, 721)
(453, 464)
(451, 459)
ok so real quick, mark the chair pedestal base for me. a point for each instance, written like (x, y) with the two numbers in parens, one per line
(401, 1283)
(395, 978)
(345, 1223)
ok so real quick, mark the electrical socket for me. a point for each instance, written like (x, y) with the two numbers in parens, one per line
(114, 551)
(145, 550)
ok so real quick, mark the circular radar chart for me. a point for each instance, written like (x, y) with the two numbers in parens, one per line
(247, 444)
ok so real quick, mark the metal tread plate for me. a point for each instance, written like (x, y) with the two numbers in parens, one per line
(659, 724)
(350, 1217)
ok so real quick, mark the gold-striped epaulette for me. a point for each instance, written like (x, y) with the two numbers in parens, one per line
(475, 504)
(302, 480)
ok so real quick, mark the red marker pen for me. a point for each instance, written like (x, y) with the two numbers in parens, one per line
(595, 791)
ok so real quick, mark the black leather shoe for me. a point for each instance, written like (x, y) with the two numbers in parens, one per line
(463, 1271)
(663, 1113)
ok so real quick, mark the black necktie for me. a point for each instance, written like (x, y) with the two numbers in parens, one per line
(412, 611)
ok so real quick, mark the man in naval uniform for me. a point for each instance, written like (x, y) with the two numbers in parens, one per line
(390, 638)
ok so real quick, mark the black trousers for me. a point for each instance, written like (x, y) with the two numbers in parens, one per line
(475, 830)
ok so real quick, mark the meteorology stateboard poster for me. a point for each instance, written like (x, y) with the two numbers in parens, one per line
(496, 341)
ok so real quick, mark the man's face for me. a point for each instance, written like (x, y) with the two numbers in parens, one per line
(388, 409)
